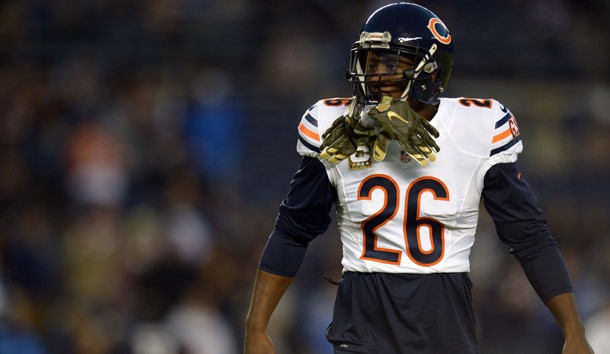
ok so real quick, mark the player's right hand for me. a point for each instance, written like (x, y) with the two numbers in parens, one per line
(337, 141)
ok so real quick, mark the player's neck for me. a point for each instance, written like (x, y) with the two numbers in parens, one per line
(425, 110)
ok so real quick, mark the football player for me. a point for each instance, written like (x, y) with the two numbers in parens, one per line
(406, 171)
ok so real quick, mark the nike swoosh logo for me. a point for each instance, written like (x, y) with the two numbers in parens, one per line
(407, 39)
(392, 114)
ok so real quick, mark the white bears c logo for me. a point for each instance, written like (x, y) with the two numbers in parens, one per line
(432, 27)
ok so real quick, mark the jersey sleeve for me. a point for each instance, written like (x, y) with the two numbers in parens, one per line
(505, 138)
(315, 121)
(309, 140)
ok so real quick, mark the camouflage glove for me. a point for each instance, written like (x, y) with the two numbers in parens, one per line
(342, 139)
(413, 132)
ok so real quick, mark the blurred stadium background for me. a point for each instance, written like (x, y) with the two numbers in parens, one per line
(146, 146)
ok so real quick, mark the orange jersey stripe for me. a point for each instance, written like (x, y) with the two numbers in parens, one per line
(501, 136)
(303, 129)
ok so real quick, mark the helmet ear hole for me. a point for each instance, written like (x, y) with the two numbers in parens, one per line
(430, 67)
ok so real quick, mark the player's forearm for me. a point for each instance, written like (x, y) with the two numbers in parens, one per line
(268, 290)
(563, 307)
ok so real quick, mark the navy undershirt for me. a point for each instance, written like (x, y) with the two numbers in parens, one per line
(520, 223)
(303, 215)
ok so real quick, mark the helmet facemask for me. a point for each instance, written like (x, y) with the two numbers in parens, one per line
(378, 67)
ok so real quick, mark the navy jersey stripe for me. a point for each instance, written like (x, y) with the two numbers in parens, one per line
(505, 146)
(502, 121)
(308, 145)
(311, 119)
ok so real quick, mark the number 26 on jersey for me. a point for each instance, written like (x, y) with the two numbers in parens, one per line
(424, 249)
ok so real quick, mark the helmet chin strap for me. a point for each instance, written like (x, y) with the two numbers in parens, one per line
(418, 69)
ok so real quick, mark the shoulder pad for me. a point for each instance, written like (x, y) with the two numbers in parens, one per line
(483, 126)
(315, 121)
(505, 136)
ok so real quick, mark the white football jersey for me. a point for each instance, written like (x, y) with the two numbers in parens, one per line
(399, 217)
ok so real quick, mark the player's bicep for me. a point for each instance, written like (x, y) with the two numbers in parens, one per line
(304, 212)
(303, 215)
(510, 202)
(521, 225)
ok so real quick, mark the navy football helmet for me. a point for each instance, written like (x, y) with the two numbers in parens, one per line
(394, 35)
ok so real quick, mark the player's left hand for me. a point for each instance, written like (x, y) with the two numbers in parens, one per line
(576, 345)
(412, 131)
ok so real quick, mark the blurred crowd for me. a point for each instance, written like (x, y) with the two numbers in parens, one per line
(146, 146)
